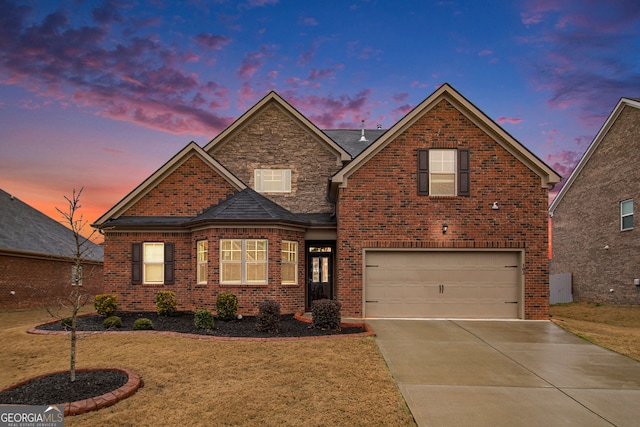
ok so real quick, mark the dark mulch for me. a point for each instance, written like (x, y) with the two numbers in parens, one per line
(58, 388)
(183, 322)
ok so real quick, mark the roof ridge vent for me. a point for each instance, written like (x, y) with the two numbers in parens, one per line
(362, 138)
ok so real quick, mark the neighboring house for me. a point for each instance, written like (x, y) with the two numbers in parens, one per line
(36, 258)
(442, 215)
(593, 231)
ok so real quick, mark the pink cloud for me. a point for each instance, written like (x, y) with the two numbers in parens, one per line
(576, 55)
(260, 3)
(212, 41)
(400, 97)
(485, 52)
(330, 112)
(510, 120)
(138, 80)
(308, 21)
(402, 110)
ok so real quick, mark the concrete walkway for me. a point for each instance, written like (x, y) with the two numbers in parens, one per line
(507, 373)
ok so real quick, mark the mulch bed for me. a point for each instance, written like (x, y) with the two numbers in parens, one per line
(183, 322)
(58, 388)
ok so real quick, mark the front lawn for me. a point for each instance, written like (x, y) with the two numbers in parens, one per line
(327, 382)
(616, 327)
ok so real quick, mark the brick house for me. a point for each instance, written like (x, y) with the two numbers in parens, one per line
(593, 231)
(36, 258)
(442, 215)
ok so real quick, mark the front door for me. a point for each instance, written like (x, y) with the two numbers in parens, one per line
(319, 273)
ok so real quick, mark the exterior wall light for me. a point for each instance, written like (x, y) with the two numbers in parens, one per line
(495, 206)
(445, 227)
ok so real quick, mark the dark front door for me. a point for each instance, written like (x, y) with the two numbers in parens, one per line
(319, 273)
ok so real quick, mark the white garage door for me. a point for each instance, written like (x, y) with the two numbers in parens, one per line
(423, 284)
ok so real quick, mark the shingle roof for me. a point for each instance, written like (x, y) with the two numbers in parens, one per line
(248, 205)
(349, 139)
(171, 221)
(25, 229)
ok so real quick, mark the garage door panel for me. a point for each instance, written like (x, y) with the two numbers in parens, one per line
(442, 284)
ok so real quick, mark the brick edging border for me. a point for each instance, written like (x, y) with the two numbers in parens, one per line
(368, 332)
(132, 385)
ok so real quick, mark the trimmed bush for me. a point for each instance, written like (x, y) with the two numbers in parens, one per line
(142, 324)
(166, 303)
(112, 322)
(325, 314)
(105, 304)
(203, 319)
(268, 318)
(226, 306)
(66, 322)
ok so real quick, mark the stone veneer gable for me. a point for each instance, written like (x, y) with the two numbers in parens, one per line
(273, 139)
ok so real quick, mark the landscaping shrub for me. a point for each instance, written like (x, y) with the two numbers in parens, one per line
(226, 306)
(105, 304)
(166, 303)
(112, 322)
(66, 322)
(203, 319)
(325, 314)
(268, 318)
(142, 324)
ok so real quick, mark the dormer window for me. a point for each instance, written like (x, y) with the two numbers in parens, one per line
(272, 180)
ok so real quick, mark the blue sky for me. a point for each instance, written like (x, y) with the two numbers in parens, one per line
(99, 94)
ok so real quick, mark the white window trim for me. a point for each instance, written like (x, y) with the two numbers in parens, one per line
(243, 262)
(145, 263)
(454, 172)
(260, 175)
(623, 216)
(200, 263)
(294, 263)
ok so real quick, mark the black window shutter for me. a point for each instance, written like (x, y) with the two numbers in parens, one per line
(169, 276)
(136, 263)
(423, 172)
(463, 173)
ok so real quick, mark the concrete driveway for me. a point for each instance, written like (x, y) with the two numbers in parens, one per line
(507, 373)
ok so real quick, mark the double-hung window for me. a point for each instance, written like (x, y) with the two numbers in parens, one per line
(289, 262)
(626, 215)
(272, 180)
(443, 172)
(203, 259)
(152, 263)
(243, 261)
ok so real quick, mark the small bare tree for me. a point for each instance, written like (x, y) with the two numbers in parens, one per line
(81, 247)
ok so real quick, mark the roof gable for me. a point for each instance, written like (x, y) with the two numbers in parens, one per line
(273, 97)
(26, 230)
(547, 175)
(192, 149)
(624, 102)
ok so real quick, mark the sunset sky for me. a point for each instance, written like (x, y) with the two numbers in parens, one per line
(100, 94)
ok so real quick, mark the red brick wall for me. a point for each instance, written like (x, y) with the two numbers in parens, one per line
(189, 294)
(190, 189)
(42, 282)
(380, 207)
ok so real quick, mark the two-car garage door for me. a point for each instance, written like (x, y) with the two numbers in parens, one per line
(446, 284)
